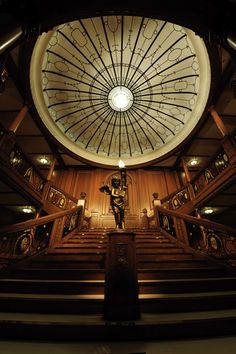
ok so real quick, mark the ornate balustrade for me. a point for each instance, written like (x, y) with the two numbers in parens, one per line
(217, 165)
(18, 168)
(33, 236)
(177, 199)
(218, 172)
(59, 198)
(21, 171)
(203, 235)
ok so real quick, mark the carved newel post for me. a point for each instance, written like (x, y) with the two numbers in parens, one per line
(121, 285)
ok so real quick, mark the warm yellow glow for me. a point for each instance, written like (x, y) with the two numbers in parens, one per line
(120, 98)
(121, 164)
(43, 160)
(208, 211)
(194, 162)
(27, 209)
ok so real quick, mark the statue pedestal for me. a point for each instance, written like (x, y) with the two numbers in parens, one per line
(121, 284)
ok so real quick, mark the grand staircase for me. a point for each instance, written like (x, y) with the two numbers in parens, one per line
(59, 294)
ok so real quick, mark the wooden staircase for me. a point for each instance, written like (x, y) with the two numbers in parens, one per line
(60, 293)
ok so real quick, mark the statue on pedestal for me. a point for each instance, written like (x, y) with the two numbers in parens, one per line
(117, 193)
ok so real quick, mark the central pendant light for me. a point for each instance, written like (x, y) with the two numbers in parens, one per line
(120, 98)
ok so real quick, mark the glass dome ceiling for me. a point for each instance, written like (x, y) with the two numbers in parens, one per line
(116, 87)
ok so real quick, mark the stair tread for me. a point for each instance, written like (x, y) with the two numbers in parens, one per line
(101, 281)
(96, 319)
(8, 295)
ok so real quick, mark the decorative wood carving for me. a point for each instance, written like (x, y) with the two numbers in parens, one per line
(121, 285)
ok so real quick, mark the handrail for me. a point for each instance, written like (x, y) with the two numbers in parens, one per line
(36, 222)
(197, 175)
(207, 163)
(69, 196)
(201, 222)
(26, 157)
(228, 165)
(169, 196)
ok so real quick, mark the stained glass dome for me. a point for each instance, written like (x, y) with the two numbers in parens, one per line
(114, 87)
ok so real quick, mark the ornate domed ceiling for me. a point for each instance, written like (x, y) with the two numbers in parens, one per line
(120, 87)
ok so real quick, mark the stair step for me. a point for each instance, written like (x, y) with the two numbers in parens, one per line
(52, 286)
(183, 273)
(88, 237)
(163, 251)
(94, 261)
(155, 244)
(186, 285)
(58, 273)
(81, 241)
(172, 257)
(52, 303)
(78, 250)
(93, 327)
(172, 264)
(80, 303)
(70, 280)
(65, 286)
(166, 303)
(67, 257)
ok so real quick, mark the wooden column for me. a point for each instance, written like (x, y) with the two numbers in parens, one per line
(19, 118)
(121, 284)
(219, 123)
(50, 172)
(188, 180)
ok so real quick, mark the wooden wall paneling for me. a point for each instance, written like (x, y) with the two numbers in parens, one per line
(172, 182)
(141, 185)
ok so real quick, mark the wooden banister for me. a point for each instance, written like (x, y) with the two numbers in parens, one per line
(197, 221)
(36, 222)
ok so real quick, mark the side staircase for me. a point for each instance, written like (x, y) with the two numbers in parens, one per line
(60, 294)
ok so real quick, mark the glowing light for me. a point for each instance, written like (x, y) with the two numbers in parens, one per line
(43, 160)
(121, 164)
(208, 211)
(194, 162)
(27, 210)
(120, 98)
